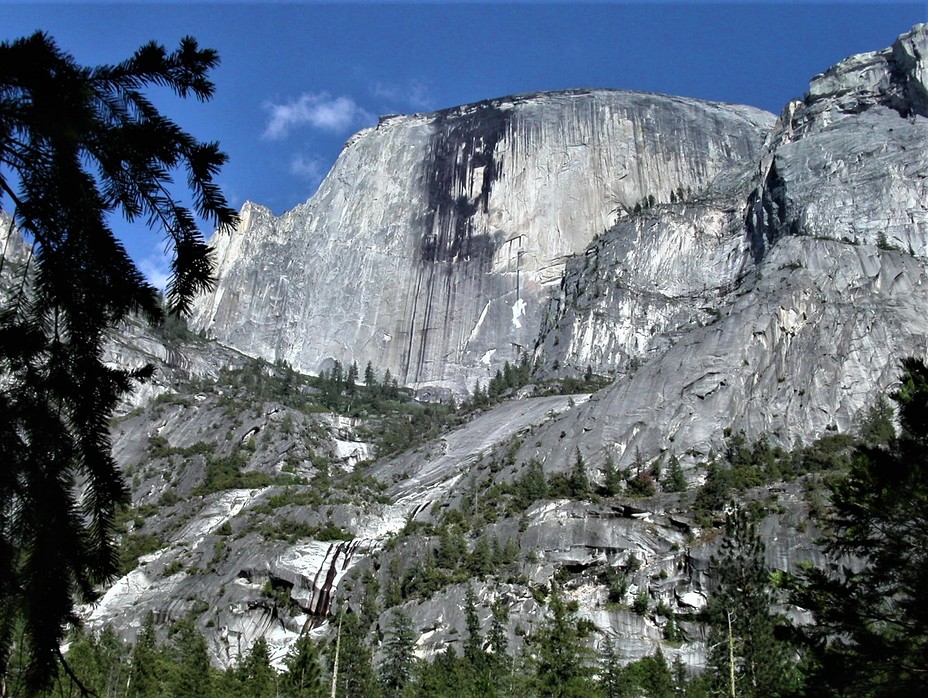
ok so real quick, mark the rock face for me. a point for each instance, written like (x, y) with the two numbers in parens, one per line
(428, 248)
(801, 346)
(779, 301)
(250, 561)
(770, 287)
(15, 256)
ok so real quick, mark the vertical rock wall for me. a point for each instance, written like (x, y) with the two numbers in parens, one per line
(429, 248)
(780, 302)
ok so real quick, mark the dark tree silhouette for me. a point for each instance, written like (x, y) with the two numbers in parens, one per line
(870, 636)
(79, 148)
(745, 656)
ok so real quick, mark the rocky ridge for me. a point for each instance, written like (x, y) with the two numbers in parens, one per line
(779, 302)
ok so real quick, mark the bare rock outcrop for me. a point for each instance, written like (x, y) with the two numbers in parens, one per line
(429, 248)
(777, 302)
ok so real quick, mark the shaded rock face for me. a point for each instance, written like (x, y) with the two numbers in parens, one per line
(429, 248)
(780, 300)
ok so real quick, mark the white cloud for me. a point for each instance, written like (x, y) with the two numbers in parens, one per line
(309, 168)
(317, 110)
(157, 270)
(414, 94)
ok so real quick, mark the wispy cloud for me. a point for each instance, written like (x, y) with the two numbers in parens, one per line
(233, 197)
(157, 270)
(309, 168)
(318, 110)
(413, 94)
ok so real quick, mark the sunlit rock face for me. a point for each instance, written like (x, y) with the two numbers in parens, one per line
(848, 162)
(776, 298)
(15, 255)
(780, 300)
(430, 247)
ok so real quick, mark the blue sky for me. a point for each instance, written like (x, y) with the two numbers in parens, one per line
(296, 80)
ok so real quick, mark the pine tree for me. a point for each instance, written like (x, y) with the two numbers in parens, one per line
(612, 478)
(478, 397)
(443, 677)
(399, 660)
(475, 658)
(79, 147)
(655, 676)
(114, 660)
(498, 639)
(100, 663)
(303, 678)
(531, 486)
(612, 679)
(496, 386)
(473, 645)
(877, 428)
(561, 670)
(370, 378)
(713, 494)
(743, 648)
(351, 379)
(578, 482)
(145, 663)
(452, 548)
(676, 480)
(191, 675)
(683, 685)
(480, 563)
(356, 677)
(255, 674)
(870, 636)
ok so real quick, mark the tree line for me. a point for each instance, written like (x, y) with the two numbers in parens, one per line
(555, 662)
(868, 635)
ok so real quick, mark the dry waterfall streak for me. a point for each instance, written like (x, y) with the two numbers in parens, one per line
(337, 559)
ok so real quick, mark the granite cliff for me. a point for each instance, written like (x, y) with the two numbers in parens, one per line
(769, 286)
(780, 299)
(430, 247)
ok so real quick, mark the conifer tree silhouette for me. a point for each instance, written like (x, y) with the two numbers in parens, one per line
(80, 147)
